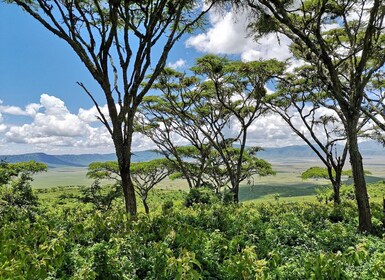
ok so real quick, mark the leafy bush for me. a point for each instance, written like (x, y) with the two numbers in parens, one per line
(201, 195)
(216, 241)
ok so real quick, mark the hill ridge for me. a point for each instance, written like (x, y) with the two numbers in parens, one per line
(294, 152)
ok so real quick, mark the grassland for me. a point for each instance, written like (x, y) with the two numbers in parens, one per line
(286, 184)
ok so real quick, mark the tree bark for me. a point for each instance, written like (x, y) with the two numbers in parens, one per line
(235, 190)
(336, 194)
(364, 213)
(123, 153)
(146, 208)
(336, 182)
(128, 190)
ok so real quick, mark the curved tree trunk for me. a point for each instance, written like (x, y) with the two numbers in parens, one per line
(364, 213)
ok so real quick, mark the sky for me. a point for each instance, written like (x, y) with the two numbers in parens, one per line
(42, 109)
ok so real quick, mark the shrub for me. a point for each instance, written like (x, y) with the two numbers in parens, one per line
(201, 195)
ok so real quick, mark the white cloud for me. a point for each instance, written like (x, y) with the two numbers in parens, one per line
(177, 64)
(30, 110)
(228, 35)
(271, 131)
(3, 127)
(54, 125)
(91, 115)
(55, 129)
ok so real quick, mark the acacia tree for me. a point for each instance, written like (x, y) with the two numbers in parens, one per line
(301, 102)
(374, 107)
(145, 175)
(136, 34)
(236, 89)
(344, 41)
(220, 93)
(162, 119)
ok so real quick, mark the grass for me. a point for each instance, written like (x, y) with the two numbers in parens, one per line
(62, 176)
(286, 184)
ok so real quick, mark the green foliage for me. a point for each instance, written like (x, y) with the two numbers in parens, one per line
(145, 176)
(103, 170)
(15, 184)
(293, 241)
(316, 172)
(199, 108)
(202, 195)
(101, 197)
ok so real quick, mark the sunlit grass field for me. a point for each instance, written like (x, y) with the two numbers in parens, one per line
(286, 185)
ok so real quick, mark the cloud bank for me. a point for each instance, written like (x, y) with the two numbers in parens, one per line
(228, 35)
(52, 128)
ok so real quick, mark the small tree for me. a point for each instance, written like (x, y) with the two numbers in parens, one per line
(162, 119)
(15, 183)
(101, 196)
(145, 176)
(302, 103)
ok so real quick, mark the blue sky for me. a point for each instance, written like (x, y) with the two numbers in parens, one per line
(42, 109)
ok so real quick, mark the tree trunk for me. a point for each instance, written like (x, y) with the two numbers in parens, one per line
(364, 213)
(128, 190)
(146, 208)
(337, 186)
(235, 190)
(336, 194)
(123, 153)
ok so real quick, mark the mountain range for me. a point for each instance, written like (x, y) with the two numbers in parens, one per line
(296, 152)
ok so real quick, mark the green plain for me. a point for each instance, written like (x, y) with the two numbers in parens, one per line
(286, 184)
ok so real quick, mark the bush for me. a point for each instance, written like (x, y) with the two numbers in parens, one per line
(218, 241)
(201, 195)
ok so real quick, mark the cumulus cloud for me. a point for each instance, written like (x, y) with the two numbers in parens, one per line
(91, 115)
(177, 64)
(55, 129)
(3, 127)
(268, 131)
(30, 110)
(54, 125)
(228, 35)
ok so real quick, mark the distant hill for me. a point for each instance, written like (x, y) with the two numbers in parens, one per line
(50, 160)
(75, 160)
(296, 152)
(367, 148)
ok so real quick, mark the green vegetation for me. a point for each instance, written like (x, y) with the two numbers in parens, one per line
(200, 235)
(205, 241)
(15, 187)
(316, 172)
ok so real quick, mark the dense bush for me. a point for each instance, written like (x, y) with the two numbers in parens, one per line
(202, 195)
(265, 241)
